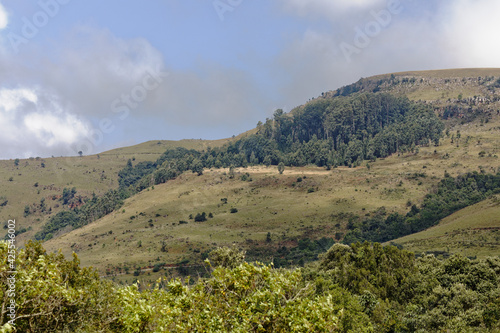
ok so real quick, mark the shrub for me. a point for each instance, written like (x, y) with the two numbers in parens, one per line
(200, 217)
(57, 294)
(281, 168)
(226, 257)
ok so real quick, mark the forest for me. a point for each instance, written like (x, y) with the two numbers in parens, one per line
(364, 287)
(324, 132)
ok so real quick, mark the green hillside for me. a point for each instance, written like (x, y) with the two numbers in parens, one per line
(317, 206)
(472, 231)
(36, 179)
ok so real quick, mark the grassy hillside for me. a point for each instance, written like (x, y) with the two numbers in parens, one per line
(35, 179)
(151, 150)
(437, 86)
(472, 231)
(270, 203)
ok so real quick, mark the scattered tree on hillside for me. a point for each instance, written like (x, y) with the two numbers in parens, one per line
(281, 167)
(197, 167)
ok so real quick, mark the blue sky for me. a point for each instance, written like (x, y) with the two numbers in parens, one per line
(90, 76)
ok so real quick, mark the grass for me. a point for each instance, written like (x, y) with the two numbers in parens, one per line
(472, 231)
(89, 174)
(32, 182)
(440, 85)
(269, 203)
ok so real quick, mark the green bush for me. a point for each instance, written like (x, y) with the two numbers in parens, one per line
(56, 295)
(359, 288)
(200, 217)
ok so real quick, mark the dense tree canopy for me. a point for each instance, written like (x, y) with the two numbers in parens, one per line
(359, 288)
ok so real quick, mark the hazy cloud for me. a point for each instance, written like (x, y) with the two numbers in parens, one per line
(471, 32)
(4, 17)
(123, 83)
(415, 37)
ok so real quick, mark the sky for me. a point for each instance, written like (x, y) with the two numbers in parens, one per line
(95, 75)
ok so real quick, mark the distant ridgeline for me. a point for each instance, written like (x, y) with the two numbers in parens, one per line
(329, 132)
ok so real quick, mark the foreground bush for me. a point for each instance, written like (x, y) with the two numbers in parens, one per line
(359, 288)
(404, 294)
(53, 294)
(56, 295)
(248, 298)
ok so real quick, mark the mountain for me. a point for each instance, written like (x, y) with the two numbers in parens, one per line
(353, 155)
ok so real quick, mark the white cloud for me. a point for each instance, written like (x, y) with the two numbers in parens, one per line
(4, 17)
(471, 32)
(33, 120)
(55, 129)
(13, 98)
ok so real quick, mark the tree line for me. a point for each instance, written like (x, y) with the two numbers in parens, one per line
(450, 195)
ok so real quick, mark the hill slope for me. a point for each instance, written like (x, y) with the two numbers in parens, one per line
(35, 179)
(321, 204)
(472, 231)
(278, 204)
